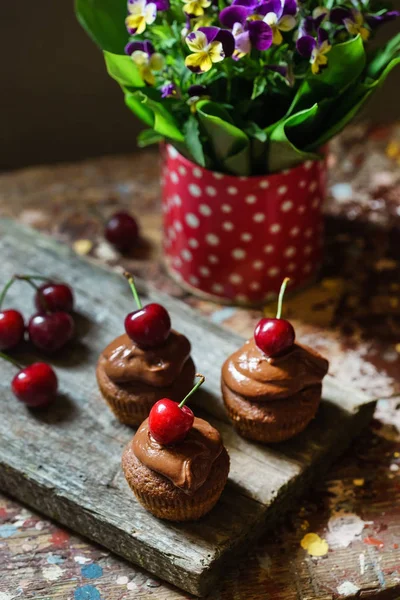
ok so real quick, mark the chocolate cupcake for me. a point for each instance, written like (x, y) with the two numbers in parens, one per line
(272, 386)
(176, 464)
(147, 363)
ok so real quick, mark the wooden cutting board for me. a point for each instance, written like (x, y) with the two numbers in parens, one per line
(65, 462)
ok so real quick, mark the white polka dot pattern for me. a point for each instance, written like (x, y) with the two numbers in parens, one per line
(237, 237)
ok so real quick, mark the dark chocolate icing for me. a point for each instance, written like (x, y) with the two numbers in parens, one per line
(251, 374)
(187, 464)
(125, 362)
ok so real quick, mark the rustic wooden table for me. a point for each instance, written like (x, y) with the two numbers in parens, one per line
(352, 314)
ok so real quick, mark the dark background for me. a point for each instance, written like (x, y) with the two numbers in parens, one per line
(57, 101)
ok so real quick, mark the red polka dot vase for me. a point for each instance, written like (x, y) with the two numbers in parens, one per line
(233, 239)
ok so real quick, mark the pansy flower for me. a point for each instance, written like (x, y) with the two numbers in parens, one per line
(247, 33)
(280, 15)
(168, 90)
(208, 45)
(196, 8)
(352, 20)
(141, 14)
(355, 25)
(315, 50)
(196, 93)
(146, 60)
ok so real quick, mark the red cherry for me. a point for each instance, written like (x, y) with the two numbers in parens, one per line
(53, 297)
(168, 423)
(274, 336)
(122, 231)
(50, 331)
(36, 385)
(12, 328)
(149, 326)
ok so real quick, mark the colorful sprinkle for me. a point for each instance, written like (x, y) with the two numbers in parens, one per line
(59, 537)
(55, 559)
(314, 545)
(7, 531)
(87, 592)
(92, 571)
(371, 541)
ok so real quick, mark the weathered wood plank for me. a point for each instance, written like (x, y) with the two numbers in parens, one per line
(67, 463)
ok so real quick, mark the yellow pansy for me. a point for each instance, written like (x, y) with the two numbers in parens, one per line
(195, 7)
(355, 25)
(141, 13)
(284, 23)
(204, 52)
(318, 56)
(147, 64)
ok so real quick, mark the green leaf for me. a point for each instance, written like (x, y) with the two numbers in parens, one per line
(104, 21)
(383, 57)
(155, 114)
(349, 104)
(147, 137)
(230, 144)
(346, 62)
(123, 70)
(139, 109)
(193, 142)
(282, 153)
(259, 85)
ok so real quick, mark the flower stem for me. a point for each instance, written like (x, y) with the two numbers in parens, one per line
(11, 360)
(131, 282)
(195, 388)
(5, 290)
(280, 298)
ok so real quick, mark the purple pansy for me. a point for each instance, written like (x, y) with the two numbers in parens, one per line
(247, 33)
(144, 46)
(279, 15)
(197, 90)
(315, 49)
(168, 90)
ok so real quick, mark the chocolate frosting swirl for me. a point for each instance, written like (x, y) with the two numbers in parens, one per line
(188, 463)
(251, 374)
(125, 362)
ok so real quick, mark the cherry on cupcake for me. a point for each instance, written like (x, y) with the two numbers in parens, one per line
(275, 336)
(122, 231)
(150, 325)
(35, 385)
(53, 297)
(170, 422)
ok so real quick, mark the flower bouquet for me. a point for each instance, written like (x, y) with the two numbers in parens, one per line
(251, 87)
(246, 94)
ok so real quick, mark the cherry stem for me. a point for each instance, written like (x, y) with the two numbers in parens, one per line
(11, 360)
(280, 298)
(195, 388)
(30, 279)
(5, 290)
(131, 282)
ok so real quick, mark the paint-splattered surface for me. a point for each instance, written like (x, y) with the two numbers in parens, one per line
(355, 513)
